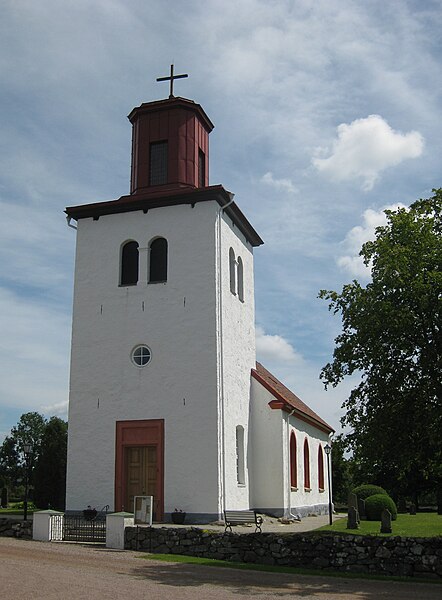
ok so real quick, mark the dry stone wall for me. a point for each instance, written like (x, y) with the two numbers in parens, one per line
(412, 557)
(15, 528)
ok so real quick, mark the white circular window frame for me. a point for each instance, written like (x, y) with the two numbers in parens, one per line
(139, 347)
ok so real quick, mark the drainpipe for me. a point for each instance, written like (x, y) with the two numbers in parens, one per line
(288, 512)
(222, 459)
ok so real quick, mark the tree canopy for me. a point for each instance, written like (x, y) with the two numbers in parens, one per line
(47, 462)
(391, 337)
(50, 469)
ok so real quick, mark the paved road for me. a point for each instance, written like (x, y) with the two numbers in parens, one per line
(71, 572)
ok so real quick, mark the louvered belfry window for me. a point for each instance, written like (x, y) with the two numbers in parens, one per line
(158, 163)
(201, 168)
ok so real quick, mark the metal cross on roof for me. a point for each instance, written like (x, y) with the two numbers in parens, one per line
(171, 79)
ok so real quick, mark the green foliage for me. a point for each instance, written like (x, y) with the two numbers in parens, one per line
(47, 463)
(50, 470)
(341, 470)
(374, 505)
(21, 505)
(365, 490)
(391, 339)
(420, 525)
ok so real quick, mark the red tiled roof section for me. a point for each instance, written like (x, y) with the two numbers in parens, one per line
(287, 399)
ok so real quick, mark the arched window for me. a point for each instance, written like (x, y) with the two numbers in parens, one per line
(293, 463)
(306, 465)
(129, 264)
(240, 470)
(320, 468)
(158, 260)
(232, 267)
(240, 280)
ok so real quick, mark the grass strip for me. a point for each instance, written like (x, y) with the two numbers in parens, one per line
(420, 525)
(214, 562)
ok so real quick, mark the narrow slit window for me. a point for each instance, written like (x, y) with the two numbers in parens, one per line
(158, 163)
(129, 264)
(240, 463)
(240, 279)
(201, 168)
(232, 267)
(158, 261)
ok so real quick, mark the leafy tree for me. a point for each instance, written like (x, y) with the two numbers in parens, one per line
(29, 430)
(341, 470)
(50, 469)
(10, 472)
(391, 336)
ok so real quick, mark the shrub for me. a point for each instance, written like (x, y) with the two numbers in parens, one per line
(374, 505)
(366, 490)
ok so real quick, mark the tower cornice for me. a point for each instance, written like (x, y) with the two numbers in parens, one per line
(168, 104)
(164, 198)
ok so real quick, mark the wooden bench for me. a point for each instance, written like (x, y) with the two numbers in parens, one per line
(241, 517)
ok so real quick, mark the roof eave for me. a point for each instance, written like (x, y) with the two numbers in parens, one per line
(147, 201)
(280, 403)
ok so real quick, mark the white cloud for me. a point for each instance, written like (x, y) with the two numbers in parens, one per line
(279, 184)
(357, 236)
(274, 347)
(365, 147)
(34, 353)
(59, 409)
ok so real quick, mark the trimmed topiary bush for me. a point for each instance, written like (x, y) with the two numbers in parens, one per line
(366, 490)
(374, 505)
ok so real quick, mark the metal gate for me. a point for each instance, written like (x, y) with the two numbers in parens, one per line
(75, 528)
(78, 529)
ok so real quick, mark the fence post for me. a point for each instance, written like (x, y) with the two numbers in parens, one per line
(115, 526)
(42, 529)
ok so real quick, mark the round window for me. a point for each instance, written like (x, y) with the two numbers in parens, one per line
(141, 356)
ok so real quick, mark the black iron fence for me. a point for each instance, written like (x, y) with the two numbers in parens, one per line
(78, 529)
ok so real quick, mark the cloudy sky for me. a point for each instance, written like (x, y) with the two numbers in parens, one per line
(325, 112)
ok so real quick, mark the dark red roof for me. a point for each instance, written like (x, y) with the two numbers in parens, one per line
(287, 400)
(167, 104)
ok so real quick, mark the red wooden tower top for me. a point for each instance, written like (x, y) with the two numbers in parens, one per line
(170, 146)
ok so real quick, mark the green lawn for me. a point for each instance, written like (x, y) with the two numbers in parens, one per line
(15, 511)
(420, 525)
(16, 508)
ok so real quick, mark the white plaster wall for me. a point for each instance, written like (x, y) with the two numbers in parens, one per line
(270, 471)
(302, 498)
(266, 451)
(237, 349)
(177, 320)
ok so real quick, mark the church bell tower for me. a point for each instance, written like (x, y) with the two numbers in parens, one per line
(163, 338)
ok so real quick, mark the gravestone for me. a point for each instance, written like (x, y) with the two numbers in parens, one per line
(361, 508)
(353, 503)
(412, 509)
(386, 521)
(352, 518)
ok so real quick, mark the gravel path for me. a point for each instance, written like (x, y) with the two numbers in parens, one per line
(36, 570)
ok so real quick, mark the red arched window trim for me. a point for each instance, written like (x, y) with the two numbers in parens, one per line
(320, 468)
(306, 465)
(293, 463)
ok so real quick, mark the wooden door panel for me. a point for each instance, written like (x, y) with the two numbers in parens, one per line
(141, 473)
(139, 463)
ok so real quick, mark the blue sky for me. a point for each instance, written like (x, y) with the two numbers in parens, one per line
(325, 113)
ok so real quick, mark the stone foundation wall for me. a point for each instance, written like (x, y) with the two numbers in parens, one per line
(412, 557)
(15, 528)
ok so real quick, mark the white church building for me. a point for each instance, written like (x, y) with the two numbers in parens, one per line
(166, 396)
